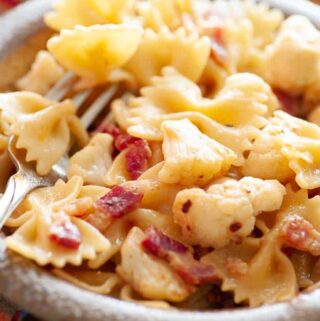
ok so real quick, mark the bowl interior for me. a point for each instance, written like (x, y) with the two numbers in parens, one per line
(32, 288)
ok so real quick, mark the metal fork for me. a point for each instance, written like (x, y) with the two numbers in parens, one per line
(26, 178)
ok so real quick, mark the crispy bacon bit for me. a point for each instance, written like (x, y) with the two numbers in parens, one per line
(66, 234)
(218, 49)
(110, 129)
(186, 206)
(301, 235)
(138, 151)
(234, 227)
(137, 158)
(179, 258)
(290, 104)
(123, 141)
(159, 244)
(11, 3)
(119, 202)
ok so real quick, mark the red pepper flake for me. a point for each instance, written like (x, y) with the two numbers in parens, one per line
(186, 206)
(65, 234)
(179, 257)
(218, 49)
(234, 227)
(137, 158)
(119, 202)
(301, 235)
(290, 104)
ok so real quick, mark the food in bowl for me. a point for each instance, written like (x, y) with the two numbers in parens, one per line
(199, 189)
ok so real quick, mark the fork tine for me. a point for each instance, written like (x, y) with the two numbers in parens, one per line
(61, 88)
(81, 97)
(96, 108)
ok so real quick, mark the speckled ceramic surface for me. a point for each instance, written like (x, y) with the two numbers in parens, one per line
(32, 288)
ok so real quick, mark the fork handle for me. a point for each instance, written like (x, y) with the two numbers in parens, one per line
(18, 187)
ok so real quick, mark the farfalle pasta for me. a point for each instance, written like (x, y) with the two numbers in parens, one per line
(68, 14)
(44, 73)
(74, 49)
(198, 189)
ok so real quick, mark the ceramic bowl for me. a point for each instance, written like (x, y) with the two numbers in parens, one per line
(22, 33)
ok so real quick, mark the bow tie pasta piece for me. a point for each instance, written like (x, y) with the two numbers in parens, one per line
(167, 48)
(270, 276)
(44, 73)
(93, 161)
(265, 21)
(226, 211)
(301, 147)
(292, 61)
(244, 99)
(151, 277)
(236, 139)
(43, 128)
(93, 52)
(261, 277)
(159, 13)
(287, 147)
(69, 13)
(191, 157)
(41, 125)
(54, 233)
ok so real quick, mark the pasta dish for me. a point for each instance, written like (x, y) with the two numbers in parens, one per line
(200, 188)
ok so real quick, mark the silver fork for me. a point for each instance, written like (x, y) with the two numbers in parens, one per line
(26, 178)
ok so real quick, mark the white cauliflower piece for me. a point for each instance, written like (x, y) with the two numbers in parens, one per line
(292, 61)
(44, 73)
(266, 160)
(226, 211)
(151, 277)
(191, 157)
(265, 196)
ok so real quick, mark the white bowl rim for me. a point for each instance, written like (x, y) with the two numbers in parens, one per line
(34, 289)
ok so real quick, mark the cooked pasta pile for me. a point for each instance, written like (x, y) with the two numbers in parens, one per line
(199, 190)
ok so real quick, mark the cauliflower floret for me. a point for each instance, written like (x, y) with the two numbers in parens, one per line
(151, 277)
(226, 211)
(44, 73)
(292, 61)
(93, 161)
(265, 196)
(266, 161)
(191, 157)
